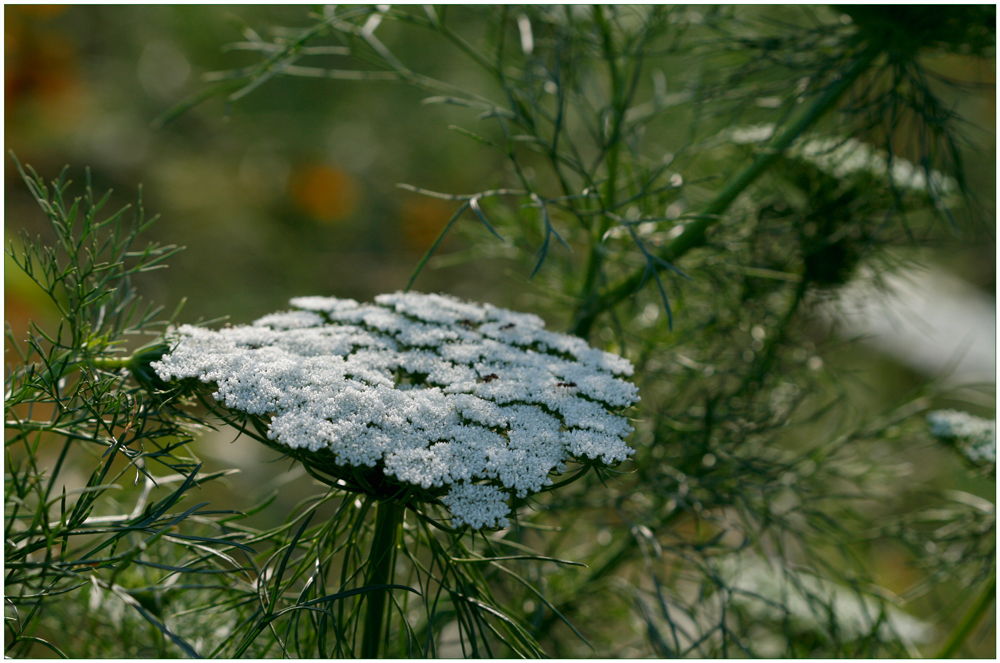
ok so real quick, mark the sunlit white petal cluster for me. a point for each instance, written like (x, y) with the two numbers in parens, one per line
(975, 437)
(437, 392)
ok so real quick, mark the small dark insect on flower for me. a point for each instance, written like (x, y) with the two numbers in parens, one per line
(489, 378)
(468, 324)
(509, 325)
(565, 384)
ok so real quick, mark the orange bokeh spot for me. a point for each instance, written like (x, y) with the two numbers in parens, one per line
(40, 11)
(40, 62)
(324, 192)
(423, 219)
(18, 312)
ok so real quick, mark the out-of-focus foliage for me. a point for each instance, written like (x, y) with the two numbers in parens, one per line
(786, 498)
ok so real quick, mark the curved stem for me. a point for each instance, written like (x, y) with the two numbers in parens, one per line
(694, 234)
(381, 557)
(971, 618)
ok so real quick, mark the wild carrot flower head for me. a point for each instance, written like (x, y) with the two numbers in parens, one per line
(425, 394)
(974, 437)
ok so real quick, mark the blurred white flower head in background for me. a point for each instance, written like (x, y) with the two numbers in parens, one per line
(846, 158)
(974, 437)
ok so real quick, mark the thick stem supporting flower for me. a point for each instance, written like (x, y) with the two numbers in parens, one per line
(381, 558)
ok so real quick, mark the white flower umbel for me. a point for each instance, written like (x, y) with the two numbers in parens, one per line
(468, 401)
(974, 437)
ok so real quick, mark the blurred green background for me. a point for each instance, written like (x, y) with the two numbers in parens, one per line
(292, 191)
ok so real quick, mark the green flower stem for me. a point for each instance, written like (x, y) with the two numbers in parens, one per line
(970, 620)
(109, 363)
(381, 557)
(591, 281)
(694, 234)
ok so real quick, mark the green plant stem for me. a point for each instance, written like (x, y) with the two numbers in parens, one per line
(970, 620)
(109, 363)
(694, 234)
(381, 557)
(591, 281)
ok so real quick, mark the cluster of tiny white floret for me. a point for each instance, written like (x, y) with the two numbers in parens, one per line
(436, 391)
(974, 437)
(477, 505)
(846, 157)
